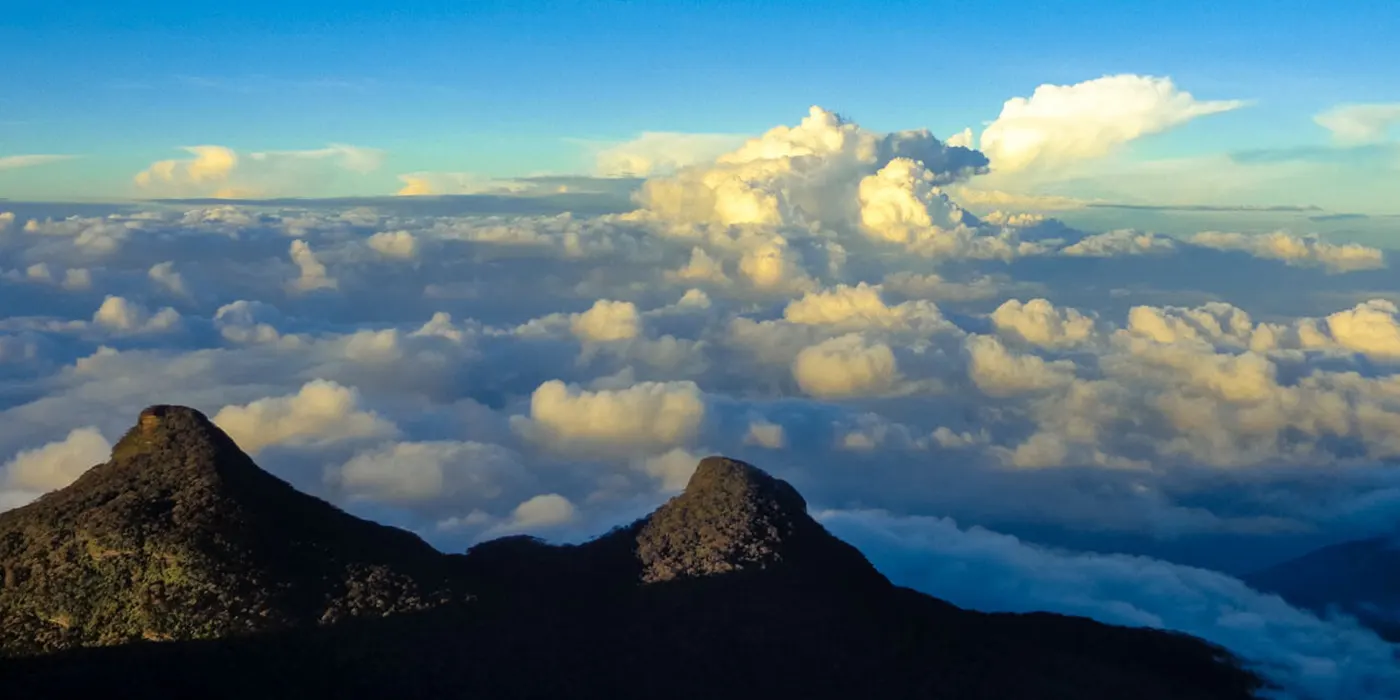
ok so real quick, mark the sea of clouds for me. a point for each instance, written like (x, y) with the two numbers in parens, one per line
(814, 301)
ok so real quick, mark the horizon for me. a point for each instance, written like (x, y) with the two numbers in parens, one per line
(1092, 300)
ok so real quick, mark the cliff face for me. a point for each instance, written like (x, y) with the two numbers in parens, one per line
(730, 589)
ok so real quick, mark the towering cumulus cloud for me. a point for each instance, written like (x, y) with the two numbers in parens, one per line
(1058, 124)
(804, 174)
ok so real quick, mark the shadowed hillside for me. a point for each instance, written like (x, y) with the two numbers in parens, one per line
(728, 590)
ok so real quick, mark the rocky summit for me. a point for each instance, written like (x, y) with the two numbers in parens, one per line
(180, 569)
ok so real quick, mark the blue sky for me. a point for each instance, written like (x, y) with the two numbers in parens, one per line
(502, 89)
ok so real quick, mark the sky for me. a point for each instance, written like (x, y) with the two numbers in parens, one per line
(506, 89)
(1078, 309)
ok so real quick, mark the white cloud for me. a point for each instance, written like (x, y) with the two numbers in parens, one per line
(1060, 124)
(794, 175)
(607, 321)
(29, 161)
(846, 366)
(411, 472)
(210, 164)
(998, 371)
(662, 152)
(649, 415)
(545, 510)
(1360, 123)
(1120, 242)
(1371, 328)
(1294, 250)
(320, 412)
(766, 434)
(57, 464)
(123, 316)
(395, 244)
(313, 273)
(861, 307)
(1038, 322)
(165, 275)
(219, 171)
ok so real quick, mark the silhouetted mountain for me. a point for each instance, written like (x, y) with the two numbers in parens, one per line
(1360, 578)
(181, 536)
(728, 590)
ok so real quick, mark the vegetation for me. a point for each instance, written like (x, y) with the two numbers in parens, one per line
(728, 590)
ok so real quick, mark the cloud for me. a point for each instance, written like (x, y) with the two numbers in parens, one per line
(1371, 328)
(846, 366)
(1293, 250)
(320, 412)
(220, 172)
(661, 153)
(1310, 658)
(165, 275)
(1038, 322)
(210, 164)
(792, 175)
(29, 161)
(1061, 124)
(414, 472)
(545, 510)
(646, 416)
(123, 316)
(395, 244)
(1360, 123)
(57, 464)
(1120, 242)
(607, 321)
(860, 307)
(1000, 372)
(313, 273)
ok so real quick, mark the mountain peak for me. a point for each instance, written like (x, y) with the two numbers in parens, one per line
(734, 517)
(164, 426)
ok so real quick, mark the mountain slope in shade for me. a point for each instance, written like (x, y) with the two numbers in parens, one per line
(1360, 578)
(728, 590)
(181, 536)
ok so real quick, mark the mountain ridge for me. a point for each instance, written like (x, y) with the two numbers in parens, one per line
(729, 588)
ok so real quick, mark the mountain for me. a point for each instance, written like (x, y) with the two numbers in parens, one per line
(1360, 578)
(730, 589)
(181, 536)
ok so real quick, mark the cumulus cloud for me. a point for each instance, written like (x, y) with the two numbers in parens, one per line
(861, 307)
(414, 472)
(846, 366)
(313, 275)
(1360, 123)
(649, 415)
(1038, 322)
(607, 321)
(210, 164)
(219, 171)
(793, 175)
(545, 510)
(999, 372)
(320, 412)
(123, 316)
(395, 244)
(1295, 250)
(1120, 242)
(1060, 124)
(57, 464)
(165, 275)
